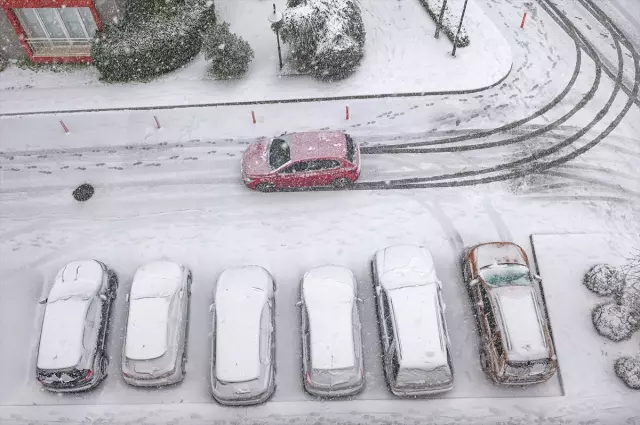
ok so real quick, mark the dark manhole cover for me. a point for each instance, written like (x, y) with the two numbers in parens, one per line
(83, 192)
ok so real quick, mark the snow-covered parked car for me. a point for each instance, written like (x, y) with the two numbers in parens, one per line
(243, 343)
(411, 319)
(71, 354)
(299, 160)
(154, 349)
(332, 358)
(515, 345)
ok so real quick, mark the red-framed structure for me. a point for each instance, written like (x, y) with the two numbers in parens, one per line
(9, 5)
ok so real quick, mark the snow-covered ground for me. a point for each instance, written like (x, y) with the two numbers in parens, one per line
(401, 56)
(563, 259)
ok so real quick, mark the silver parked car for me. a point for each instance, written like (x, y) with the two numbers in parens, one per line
(154, 349)
(243, 344)
(415, 340)
(71, 354)
(332, 362)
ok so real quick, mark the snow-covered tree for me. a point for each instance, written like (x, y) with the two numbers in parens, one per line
(628, 369)
(614, 321)
(145, 45)
(230, 54)
(326, 37)
(604, 280)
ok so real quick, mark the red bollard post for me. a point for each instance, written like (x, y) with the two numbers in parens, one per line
(64, 127)
(157, 122)
(347, 110)
(253, 117)
(524, 18)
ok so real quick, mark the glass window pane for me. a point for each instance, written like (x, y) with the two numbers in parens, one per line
(51, 22)
(73, 22)
(89, 21)
(30, 23)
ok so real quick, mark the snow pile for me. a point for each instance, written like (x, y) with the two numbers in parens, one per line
(603, 279)
(628, 369)
(450, 21)
(145, 45)
(229, 53)
(326, 37)
(614, 321)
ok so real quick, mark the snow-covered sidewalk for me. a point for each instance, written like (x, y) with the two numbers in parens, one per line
(401, 56)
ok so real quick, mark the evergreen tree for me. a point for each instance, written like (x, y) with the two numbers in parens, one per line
(230, 54)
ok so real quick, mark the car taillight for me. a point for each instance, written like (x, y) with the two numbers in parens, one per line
(87, 376)
(308, 378)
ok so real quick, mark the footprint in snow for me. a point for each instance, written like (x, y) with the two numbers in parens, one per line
(76, 154)
(116, 168)
(210, 152)
(101, 164)
(80, 168)
(31, 166)
(153, 164)
(137, 163)
(175, 157)
(64, 167)
(45, 172)
(41, 156)
(191, 158)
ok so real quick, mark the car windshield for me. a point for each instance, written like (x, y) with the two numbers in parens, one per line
(505, 275)
(279, 153)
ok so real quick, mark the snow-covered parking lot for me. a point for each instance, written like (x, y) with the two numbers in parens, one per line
(209, 227)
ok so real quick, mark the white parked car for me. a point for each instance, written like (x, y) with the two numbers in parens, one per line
(71, 354)
(415, 340)
(154, 349)
(243, 343)
(332, 362)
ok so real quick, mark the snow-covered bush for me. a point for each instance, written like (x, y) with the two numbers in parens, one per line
(450, 20)
(229, 53)
(628, 369)
(143, 46)
(614, 321)
(603, 279)
(326, 37)
(630, 295)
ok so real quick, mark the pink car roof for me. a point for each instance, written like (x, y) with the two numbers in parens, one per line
(317, 145)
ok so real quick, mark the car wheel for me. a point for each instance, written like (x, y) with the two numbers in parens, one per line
(265, 187)
(342, 183)
(104, 366)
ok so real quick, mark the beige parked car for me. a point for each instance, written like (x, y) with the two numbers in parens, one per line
(515, 342)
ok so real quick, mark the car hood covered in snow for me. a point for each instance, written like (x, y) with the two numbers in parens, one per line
(522, 323)
(77, 279)
(498, 253)
(405, 265)
(62, 334)
(255, 161)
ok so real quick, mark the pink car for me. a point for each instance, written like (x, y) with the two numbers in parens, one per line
(302, 160)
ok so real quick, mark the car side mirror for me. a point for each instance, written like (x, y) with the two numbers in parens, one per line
(43, 301)
(474, 282)
(537, 277)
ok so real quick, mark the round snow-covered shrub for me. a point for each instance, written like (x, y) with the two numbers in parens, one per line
(230, 54)
(613, 321)
(628, 369)
(326, 37)
(144, 48)
(603, 279)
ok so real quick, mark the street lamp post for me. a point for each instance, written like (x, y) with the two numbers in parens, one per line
(276, 18)
(455, 40)
(439, 23)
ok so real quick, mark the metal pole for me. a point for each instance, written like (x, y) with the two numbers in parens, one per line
(439, 23)
(455, 40)
(279, 52)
